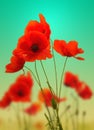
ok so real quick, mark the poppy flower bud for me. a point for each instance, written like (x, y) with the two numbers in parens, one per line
(54, 104)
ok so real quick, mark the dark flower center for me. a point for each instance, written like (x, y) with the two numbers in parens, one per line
(34, 48)
(43, 31)
(20, 93)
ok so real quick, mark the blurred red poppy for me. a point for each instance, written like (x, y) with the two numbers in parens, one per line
(21, 90)
(46, 96)
(16, 64)
(33, 46)
(71, 80)
(25, 78)
(69, 49)
(5, 101)
(34, 108)
(41, 26)
(84, 91)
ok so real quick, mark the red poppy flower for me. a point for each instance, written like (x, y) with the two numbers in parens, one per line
(15, 65)
(20, 91)
(46, 96)
(46, 27)
(33, 46)
(84, 91)
(6, 101)
(70, 50)
(33, 26)
(33, 109)
(25, 78)
(41, 26)
(71, 80)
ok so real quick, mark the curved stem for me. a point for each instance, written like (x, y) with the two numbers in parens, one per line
(44, 71)
(62, 76)
(38, 76)
(39, 83)
(46, 78)
(55, 69)
(66, 109)
(55, 72)
(32, 73)
(51, 124)
(58, 120)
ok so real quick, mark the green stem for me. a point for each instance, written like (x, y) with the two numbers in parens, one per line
(58, 121)
(55, 72)
(44, 71)
(62, 76)
(39, 83)
(38, 76)
(66, 109)
(32, 73)
(46, 77)
(51, 124)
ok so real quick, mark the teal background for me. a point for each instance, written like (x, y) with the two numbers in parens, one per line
(68, 19)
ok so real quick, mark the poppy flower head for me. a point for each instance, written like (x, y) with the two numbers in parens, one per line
(69, 49)
(46, 27)
(73, 49)
(84, 91)
(47, 97)
(34, 108)
(16, 64)
(33, 46)
(41, 26)
(33, 26)
(6, 100)
(71, 80)
(21, 90)
(27, 79)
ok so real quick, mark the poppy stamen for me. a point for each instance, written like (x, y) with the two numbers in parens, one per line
(20, 93)
(34, 48)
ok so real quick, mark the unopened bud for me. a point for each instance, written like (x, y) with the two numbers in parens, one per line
(54, 103)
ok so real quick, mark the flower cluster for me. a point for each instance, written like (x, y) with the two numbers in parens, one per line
(82, 89)
(36, 45)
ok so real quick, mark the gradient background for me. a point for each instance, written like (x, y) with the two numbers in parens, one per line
(68, 19)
